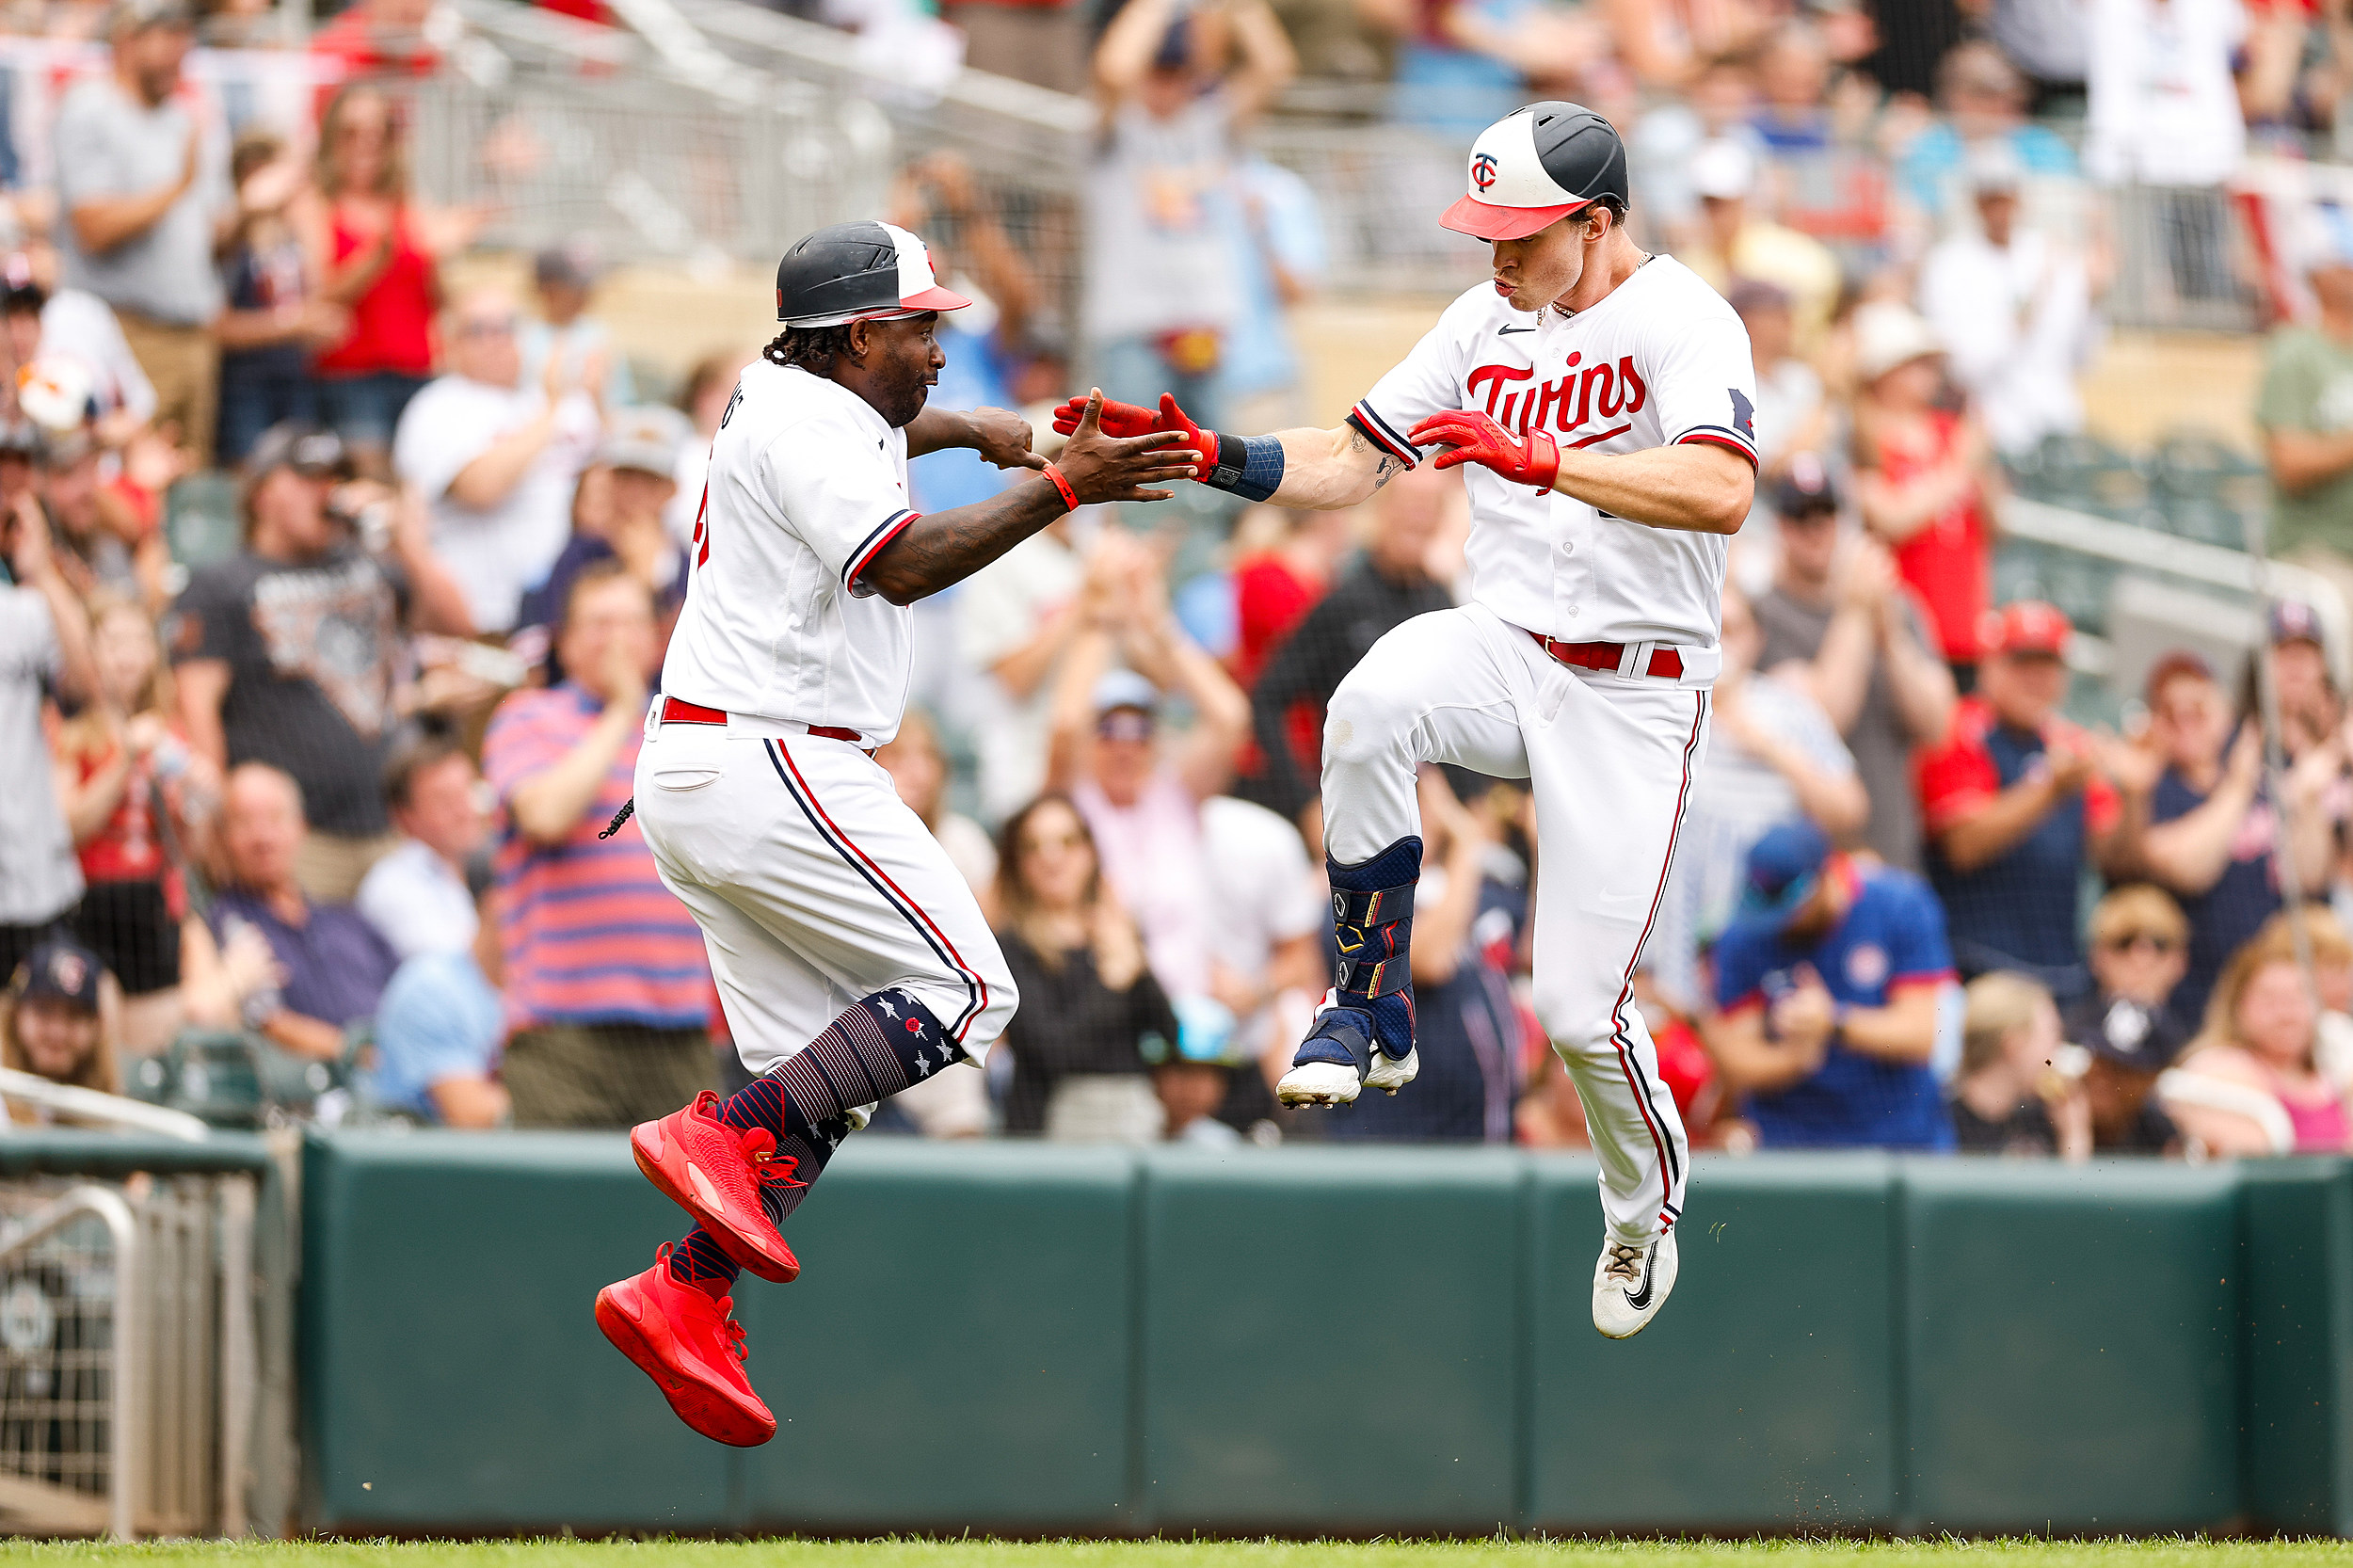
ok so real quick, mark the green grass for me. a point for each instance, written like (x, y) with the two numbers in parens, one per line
(2175, 1552)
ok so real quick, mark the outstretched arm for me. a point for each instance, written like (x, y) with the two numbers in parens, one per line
(1690, 486)
(945, 548)
(1317, 469)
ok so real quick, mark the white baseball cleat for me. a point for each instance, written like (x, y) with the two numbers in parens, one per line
(1330, 1083)
(1631, 1284)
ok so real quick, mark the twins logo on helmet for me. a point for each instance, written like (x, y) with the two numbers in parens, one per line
(1483, 170)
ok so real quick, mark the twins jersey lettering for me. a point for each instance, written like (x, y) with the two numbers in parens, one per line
(1660, 361)
(806, 486)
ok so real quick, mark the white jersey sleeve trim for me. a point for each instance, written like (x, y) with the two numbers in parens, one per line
(863, 556)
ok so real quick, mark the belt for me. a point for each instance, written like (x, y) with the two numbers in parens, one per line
(677, 710)
(1665, 662)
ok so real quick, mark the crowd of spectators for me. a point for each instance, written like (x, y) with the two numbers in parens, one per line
(352, 788)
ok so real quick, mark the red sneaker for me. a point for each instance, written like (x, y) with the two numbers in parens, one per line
(691, 1348)
(716, 1173)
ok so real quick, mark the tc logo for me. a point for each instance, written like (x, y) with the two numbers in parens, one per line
(1483, 170)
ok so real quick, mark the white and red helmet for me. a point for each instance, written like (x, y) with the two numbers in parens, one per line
(1536, 166)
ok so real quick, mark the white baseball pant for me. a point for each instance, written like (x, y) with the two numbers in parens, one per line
(1609, 760)
(814, 886)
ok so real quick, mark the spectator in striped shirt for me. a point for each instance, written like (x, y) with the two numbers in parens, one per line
(607, 987)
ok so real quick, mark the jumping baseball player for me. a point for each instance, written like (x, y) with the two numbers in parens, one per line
(1599, 402)
(851, 958)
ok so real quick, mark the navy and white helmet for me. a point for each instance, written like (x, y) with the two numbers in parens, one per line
(1535, 167)
(859, 272)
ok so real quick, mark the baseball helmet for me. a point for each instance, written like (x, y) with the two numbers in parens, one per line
(859, 271)
(1536, 166)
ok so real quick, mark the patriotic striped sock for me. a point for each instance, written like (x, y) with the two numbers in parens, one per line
(875, 1049)
(699, 1260)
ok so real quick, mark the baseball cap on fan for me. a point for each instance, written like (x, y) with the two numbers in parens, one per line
(1535, 167)
(864, 271)
(2025, 628)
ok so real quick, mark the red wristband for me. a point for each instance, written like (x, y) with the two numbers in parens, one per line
(1069, 496)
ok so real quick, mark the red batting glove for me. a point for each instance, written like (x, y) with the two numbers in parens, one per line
(1126, 419)
(1474, 438)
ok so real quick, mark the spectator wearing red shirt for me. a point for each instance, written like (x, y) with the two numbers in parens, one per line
(2014, 802)
(1925, 478)
(607, 987)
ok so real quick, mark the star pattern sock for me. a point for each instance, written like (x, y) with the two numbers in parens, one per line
(882, 1044)
(699, 1260)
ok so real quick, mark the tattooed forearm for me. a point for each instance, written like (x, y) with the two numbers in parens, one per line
(942, 548)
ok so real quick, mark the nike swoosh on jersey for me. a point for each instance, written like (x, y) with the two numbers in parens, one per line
(1507, 331)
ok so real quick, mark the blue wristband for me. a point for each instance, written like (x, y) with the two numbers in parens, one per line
(1258, 472)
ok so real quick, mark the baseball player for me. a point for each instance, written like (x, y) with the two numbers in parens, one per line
(1598, 401)
(851, 958)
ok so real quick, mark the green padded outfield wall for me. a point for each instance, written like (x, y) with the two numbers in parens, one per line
(1022, 1338)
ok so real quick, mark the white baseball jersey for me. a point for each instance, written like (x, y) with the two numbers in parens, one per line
(1661, 360)
(807, 485)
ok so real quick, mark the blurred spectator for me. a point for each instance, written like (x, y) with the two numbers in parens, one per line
(2139, 948)
(1384, 586)
(1827, 984)
(377, 37)
(1662, 41)
(635, 465)
(607, 989)
(918, 771)
(55, 1026)
(563, 280)
(1737, 241)
(1827, 183)
(2016, 804)
(2305, 411)
(1143, 802)
(2049, 42)
(1925, 478)
(982, 343)
(1773, 755)
(1792, 415)
(1466, 1030)
(945, 1105)
(1089, 1005)
(1189, 1093)
(1015, 620)
(2165, 111)
(2311, 707)
(2010, 1098)
(275, 319)
(106, 532)
(44, 648)
(1714, 107)
(145, 200)
(2012, 308)
(1463, 64)
(1276, 228)
(420, 896)
(132, 788)
(378, 257)
(42, 321)
(1982, 101)
(703, 399)
(437, 1034)
(1284, 561)
(2250, 1084)
(496, 457)
(1162, 290)
(1867, 647)
(331, 967)
(290, 653)
(2214, 831)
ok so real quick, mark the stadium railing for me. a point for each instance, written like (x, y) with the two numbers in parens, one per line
(145, 1329)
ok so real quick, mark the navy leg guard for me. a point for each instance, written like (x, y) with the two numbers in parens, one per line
(1373, 921)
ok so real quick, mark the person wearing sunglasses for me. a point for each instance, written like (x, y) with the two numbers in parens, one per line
(2139, 949)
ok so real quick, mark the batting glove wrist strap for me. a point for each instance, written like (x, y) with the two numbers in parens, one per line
(1250, 467)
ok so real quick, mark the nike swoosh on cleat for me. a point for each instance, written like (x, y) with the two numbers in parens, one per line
(1639, 1300)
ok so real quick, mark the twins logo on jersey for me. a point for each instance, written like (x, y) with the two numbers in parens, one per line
(1600, 388)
